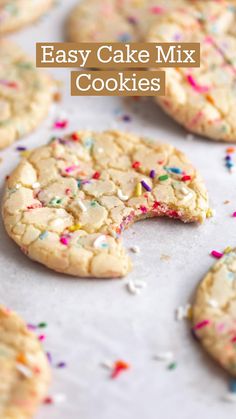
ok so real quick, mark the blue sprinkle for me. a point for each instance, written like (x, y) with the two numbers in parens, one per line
(229, 164)
(88, 143)
(176, 170)
(43, 235)
(230, 275)
(79, 183)
(232, 385)
(124, 37)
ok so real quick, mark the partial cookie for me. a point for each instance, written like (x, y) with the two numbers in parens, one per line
(214, 312)
(202, 99)
(26, 93)
(113, 20)
(15, 14)
(68, 202)
(24, 369)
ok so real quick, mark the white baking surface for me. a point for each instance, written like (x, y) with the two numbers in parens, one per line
(92, 321)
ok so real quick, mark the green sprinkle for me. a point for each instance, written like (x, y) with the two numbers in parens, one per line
(42, 324)
(172, 366)
(163, 177)
(93, 203)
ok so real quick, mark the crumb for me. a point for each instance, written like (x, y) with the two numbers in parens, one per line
(165, 257)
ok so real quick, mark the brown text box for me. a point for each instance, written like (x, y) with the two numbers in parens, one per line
(117, 83)
(117, 55)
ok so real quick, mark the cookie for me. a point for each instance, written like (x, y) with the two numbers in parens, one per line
(15, 14)
(113, 20)
(214, 312)
(26, 93)
(68, 202)
(202, 99)
(24, 368)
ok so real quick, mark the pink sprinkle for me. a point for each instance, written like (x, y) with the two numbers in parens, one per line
(234, 214)
(195, 86)
(143, 209)
(201, 324)
(216, 254)
(42, 338)
(71, 168)
(233, 340)
(31, 326)
(7, 83)
(157, 10)
(60, 124)
(64, 240)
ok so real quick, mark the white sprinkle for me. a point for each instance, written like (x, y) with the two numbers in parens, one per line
(189, 137)
(184, 190)
(182, 312)
(17, 186)
(213, 303)
(164, 356)
(59, 398)
(81, 205)
(36, 185)
(135, 287)
(24, 370)
(99, 241)
(135, 249)
(107, 364)
(57, 222)
(230, 397)
(122, 196)
(100, 150)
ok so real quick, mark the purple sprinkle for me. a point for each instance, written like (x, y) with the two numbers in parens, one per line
(146, 186)
(61, 365)
(31, 326)
(21, 148)
(152, 174)
(126, 118)
(49, 357)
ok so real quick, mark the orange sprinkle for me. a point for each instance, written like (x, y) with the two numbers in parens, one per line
(230, 150)
(118, 367)
(21, 358)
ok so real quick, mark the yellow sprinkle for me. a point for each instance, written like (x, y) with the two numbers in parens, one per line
(74, 227)
(138, 189)
(190, 313)
(25, 153)
(210, 213)
(228, 249)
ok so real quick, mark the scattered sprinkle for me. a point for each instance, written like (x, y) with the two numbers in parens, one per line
(118, 367)
(96, 175)
(163, 177)
(81, 205)
(216, 255)
(202, 324)
(152, 174)
(60, 124)
(100, 242)
(61, 364)
(172, 366)
(146, 186)
(42, 325)
(41, 338)
(25, 371)
(138, 189)
(64, 240)
(213, 303)
(122, 196)
(135, 249)
(136, 165)
(74, 228)
(135, 286)
(183, 312)
(164, 356)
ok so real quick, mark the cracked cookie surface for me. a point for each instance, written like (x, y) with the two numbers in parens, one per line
(68, 202)
(113, 20)
(24, 369)
(214, 312)
(26, 93)
(202, 99)
(15, 14)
